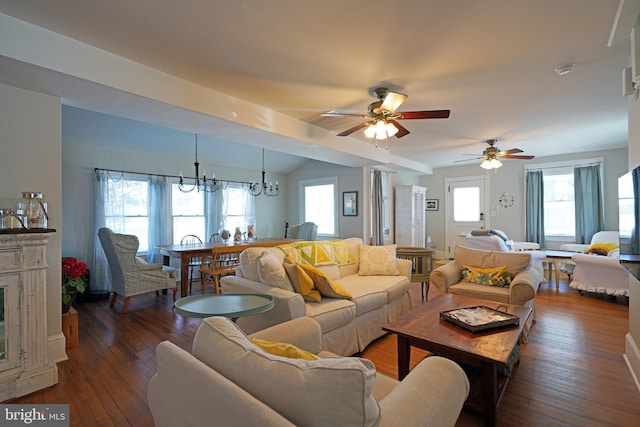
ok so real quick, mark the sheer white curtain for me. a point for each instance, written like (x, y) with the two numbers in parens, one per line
(109, 212)
(238, 207)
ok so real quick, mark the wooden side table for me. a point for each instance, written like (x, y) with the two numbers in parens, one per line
(70, 327)
(421, 265)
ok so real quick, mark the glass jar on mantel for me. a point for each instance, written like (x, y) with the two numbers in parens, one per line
(35, 208)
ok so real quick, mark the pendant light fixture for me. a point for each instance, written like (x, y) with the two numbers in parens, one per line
(257, 188)
(204, 184)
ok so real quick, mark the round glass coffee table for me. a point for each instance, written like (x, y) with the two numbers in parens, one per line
(227, 305)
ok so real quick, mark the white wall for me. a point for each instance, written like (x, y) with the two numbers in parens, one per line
(30, 137)
(87, 138)
(510, 178)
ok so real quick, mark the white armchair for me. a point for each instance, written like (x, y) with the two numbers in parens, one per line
(497, 240)
(600, 237)
(599, 274)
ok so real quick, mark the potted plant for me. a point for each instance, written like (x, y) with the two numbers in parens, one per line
(74, 281)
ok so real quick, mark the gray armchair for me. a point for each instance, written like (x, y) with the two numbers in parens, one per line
(131, 275)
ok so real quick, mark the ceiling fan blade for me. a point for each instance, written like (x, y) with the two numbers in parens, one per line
(393, 101)
(402, 131)
(432, 114)
(510, 156)
(512, 151)
(468, 160)
(354, 129)
(337, 114)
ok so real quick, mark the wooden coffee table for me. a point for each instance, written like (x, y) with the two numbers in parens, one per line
(484, 351)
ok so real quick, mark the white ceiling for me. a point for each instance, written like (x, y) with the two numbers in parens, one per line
(490, 62)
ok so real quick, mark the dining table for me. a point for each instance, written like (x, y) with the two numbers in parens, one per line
(184, 252)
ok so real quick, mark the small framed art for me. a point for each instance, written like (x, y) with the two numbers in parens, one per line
(350, 203)
(431, 204)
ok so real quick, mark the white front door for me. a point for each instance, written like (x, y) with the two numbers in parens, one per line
(466, 209)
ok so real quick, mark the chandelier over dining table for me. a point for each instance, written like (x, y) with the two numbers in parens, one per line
(200, 184)
(258, 188)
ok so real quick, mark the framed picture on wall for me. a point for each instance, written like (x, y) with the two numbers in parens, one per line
(431, 204)
(350, 203)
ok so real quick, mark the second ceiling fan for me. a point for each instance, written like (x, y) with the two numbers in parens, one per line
(381, 120)
(492, 154)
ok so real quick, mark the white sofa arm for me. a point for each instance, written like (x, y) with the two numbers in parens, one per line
(287, 305)
(524, 286)
(431, 395)
(445, 276)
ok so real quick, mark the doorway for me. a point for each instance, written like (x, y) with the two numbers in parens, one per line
(466, 205)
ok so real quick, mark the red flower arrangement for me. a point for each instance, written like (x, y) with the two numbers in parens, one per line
(74, 280)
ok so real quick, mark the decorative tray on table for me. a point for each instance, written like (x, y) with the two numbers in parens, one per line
(479, 318)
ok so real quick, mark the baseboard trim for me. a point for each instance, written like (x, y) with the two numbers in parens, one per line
(632, 358)
(57, 347)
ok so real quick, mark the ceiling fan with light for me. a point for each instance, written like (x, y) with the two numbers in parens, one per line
(382, 116)
(492, 155)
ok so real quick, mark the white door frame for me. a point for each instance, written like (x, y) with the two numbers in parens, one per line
(448, 212)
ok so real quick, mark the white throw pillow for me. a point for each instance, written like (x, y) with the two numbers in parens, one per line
(271, 272)
(336, 391)
(378, 261)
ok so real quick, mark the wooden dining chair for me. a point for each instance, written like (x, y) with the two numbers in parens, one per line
(222, 262)
(215, 238)
(192, 239)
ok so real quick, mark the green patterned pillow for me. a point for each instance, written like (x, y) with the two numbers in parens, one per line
(342, 253)
(315, 253)
(498, 276)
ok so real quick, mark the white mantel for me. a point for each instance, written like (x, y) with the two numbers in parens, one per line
(26, 365)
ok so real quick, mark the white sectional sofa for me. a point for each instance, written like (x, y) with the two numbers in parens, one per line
(348, 324)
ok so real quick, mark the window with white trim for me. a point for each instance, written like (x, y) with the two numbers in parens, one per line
(187, 214)
(319, 204)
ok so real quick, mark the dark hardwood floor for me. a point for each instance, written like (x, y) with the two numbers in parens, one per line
(571, 374)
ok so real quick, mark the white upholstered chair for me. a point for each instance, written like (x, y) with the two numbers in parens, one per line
(497, 240)
(131, 275)
(599, 274)
(599, 237)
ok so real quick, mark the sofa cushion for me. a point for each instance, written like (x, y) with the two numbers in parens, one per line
(332, 391)
(514, 261)
(249, 261)
(324, 284)
(332, 270)
(378, 261)
(365, 293)
(496, 276)
(332, 313)
(301, 282)
(394, 286)
(272, 272)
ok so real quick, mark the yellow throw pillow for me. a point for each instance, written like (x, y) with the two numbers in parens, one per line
(378, 261)
(601, 248)
(497, 276)
(324, 284)
(283, 349)
(302, 283)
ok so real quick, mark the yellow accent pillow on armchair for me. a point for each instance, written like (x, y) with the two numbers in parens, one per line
(497, 276)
